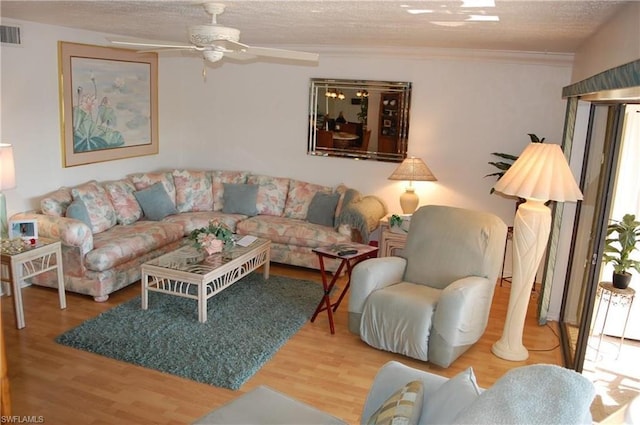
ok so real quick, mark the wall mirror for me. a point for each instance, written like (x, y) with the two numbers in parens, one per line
(360, 119)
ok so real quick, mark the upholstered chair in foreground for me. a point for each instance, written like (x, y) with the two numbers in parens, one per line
(433, 303)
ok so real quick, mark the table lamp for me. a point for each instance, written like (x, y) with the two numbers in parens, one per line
(541, 173)
(411, 169)
(7, 181)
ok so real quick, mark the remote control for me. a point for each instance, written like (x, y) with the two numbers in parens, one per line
(348, 252)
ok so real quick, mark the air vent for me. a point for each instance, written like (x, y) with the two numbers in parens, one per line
(9, 35)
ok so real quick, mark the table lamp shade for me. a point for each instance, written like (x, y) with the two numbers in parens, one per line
(541, 172)
(411, 169)
(7, 170)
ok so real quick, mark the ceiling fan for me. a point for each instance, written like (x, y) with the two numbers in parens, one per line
(217, 41)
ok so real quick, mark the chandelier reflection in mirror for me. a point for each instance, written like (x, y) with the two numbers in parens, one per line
(360, 119)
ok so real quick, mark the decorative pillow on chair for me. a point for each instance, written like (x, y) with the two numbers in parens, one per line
(78, 210)
(120, 193)
(323, 208)
(155, 202)
(451, 398)
(300, 196)
(218, 178)
(240, 199)
(145, 180)
(101, 212)
(402, 408)
(193, 190)
(56, 203)
(272, 194)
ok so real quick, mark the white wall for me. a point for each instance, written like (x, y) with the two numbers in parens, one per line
(615, 43)
(254, 117)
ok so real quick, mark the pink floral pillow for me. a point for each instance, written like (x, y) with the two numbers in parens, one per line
(218, 178)
(145, 180)
(272, 193)
(95, 199)
(120, 193)
(56, 203)
(193, 190)
(300, 196)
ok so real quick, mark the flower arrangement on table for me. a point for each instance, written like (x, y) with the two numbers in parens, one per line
(212, 238)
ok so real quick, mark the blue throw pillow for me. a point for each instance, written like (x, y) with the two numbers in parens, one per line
(155, 202)
(322, 208)
(78, 210)
(239, 198)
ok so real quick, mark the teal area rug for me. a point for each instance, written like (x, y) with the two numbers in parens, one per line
(246, 325)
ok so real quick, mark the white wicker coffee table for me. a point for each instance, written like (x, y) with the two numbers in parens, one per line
(188, 273)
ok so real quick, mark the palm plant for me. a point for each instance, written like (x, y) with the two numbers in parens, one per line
(507, 160)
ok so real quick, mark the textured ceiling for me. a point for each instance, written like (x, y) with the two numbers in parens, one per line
(540, 26)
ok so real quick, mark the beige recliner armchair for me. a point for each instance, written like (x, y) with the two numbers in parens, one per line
(433, 303)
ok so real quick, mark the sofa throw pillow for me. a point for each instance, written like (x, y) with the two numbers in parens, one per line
(78, 210)
(145, 180)
(193, 190)
(155, 202)
(56, 203)
(322, 208)
(272, 194)
(455, 395)
(299, 198)
(101, 212)
(240, 199)
(127, 208)
(218, 178)
(402, 408)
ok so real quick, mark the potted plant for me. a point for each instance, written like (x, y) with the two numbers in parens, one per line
(212, 238)
(508, 160)
(622, 239)
(398, 224)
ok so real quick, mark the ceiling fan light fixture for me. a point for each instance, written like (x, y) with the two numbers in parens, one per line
(212, 55)
(206, 35)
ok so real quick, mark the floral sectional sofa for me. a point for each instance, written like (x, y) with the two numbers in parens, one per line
(109, 229)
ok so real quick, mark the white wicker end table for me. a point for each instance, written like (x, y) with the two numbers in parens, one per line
(25, 261)
(188, 273)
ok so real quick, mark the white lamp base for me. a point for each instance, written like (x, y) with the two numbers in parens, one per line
(4, 228)
(530, 235)
(409, 201)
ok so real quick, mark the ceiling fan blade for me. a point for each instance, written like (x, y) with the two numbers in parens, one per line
(169, 49)
(280, 53)
(238, 55)
(137, 42)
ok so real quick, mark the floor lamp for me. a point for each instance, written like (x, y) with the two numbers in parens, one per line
(541, 173)
(7, 181)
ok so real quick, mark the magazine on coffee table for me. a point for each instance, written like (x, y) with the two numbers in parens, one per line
(346, 250)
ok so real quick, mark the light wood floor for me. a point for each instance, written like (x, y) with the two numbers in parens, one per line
(331, 372)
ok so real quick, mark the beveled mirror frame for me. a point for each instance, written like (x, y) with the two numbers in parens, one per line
(381, 107)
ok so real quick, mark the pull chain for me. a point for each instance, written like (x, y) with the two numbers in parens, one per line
(204, 71)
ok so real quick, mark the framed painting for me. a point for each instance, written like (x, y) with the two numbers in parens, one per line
(108, 103)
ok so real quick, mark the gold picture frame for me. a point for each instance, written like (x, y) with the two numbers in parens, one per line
(108, 103)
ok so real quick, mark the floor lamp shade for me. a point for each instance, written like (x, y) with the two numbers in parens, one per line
(7, 181)
(541, 173)
(411, 169)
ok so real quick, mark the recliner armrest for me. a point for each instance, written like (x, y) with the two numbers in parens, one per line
(463, 310)
(371, 275)
(367, 277)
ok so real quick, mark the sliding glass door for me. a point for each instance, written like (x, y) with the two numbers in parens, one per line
(597, 181)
